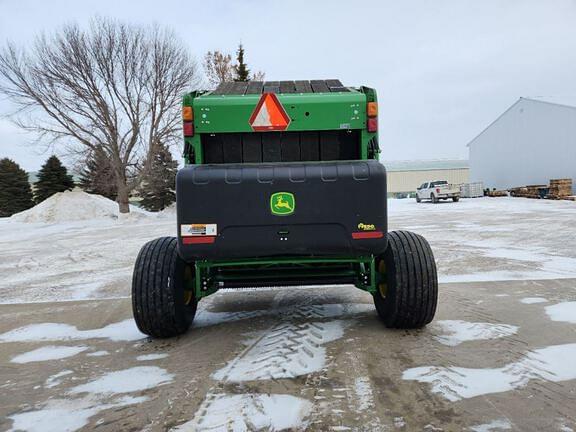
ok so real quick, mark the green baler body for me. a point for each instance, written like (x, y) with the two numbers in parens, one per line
(230, 113)
(344, 109)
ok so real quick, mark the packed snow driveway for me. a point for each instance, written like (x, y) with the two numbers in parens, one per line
(77, 247)
(499, 355)
(299, 359)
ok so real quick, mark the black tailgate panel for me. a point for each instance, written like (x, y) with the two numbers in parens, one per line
(331, 200)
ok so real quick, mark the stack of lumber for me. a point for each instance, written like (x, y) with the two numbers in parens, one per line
(518, 192)
(530, 191)
(560, 188)
(497, 193)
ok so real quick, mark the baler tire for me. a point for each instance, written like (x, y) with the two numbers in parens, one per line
(159, 301)
(410, 294)
(455, 199)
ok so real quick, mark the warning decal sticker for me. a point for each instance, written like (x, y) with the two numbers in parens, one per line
(269, 114)
(192, 230)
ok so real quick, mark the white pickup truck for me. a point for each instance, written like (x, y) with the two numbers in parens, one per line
(436, 191)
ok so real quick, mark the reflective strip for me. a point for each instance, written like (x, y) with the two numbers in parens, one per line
(203, 239)
(367, 235)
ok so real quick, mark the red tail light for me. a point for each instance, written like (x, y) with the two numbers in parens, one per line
(367, 235)
(188, 129)
(372, 124)
(437, 190)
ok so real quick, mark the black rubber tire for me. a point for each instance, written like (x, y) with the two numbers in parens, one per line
(418, 199)
(455, 199)
(433, 198)
(411, 282)
(158, 302)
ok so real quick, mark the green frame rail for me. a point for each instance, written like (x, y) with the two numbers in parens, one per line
(208, 275)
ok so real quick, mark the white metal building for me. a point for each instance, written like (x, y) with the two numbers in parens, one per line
(530, 143)
(405, 176)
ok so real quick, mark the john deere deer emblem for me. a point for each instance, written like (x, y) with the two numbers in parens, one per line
(282, 203)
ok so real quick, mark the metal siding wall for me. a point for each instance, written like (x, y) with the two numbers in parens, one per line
(408, 181)
(530, 144)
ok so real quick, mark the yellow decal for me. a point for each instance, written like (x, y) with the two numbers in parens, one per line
(366, 227)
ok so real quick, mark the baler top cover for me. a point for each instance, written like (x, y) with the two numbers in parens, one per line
(306, 105)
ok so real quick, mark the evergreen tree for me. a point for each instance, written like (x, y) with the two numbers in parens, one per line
(97, 176)
(158, 189)
(52, 178)
(242, 71)
(15, 191)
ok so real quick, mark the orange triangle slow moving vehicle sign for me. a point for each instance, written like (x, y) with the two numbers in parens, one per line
(269, 114)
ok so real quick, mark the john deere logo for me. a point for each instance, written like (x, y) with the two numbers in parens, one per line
(282, 203)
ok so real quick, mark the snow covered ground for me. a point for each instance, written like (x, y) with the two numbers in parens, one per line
(489, 239)
(298, 359)
(76, 247)
(306, 359)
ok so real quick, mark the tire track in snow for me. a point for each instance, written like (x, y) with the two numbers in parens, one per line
(286, 350)
(249, 411)
(290, 348)
(354, 394)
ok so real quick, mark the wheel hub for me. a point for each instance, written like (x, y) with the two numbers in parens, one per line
(188, 281)
(382, 285)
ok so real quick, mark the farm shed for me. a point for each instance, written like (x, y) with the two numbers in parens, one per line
(532, 142)
(405, 176)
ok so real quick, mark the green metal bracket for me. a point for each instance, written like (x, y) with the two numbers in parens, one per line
(363, 271)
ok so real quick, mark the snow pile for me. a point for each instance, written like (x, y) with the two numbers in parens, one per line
(455, 383)
(500, 424)
(100, 394)
(118, 332)
(126, 381)
(169, 211)
(533, 300)
(148, 357)
(49, 353)
(563, 312)
(364, 394)
(69, 206)
(67, 414)
(55, 380)
(273, 412)
(455, 332)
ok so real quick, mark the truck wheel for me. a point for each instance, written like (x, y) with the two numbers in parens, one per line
(161, 304)
(455, 199)
(408, 292)
(418, 199)
(433, 198)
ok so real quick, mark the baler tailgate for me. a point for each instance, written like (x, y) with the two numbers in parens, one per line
(320, 208)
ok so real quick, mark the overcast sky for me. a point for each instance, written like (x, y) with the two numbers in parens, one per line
(443, 69)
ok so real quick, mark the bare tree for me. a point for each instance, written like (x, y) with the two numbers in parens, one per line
(114, 86)
(218, 68)
(258, 76)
